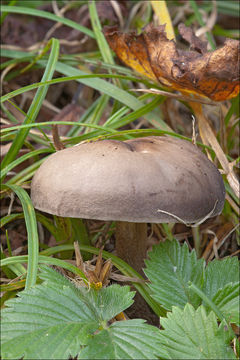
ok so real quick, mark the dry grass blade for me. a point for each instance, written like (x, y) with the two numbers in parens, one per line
(162, 14)
(233, 204)
(217, 244)
(98, 266)
(210, 22)
(106, 271)
(123, 278)
(79, 259)
(209, 138)
(117, 10)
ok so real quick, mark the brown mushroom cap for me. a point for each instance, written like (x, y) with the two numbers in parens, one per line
(133, 180)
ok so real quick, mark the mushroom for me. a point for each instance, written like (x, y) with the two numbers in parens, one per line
(153, 179)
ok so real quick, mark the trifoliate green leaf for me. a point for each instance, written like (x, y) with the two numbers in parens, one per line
(105, 303)
(192, 334)
(53, 320)
(131, 339)
(169, 270)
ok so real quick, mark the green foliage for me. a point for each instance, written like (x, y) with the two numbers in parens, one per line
(132, 339)
(223, 272)
(52, 318)
(35, 106)
(72, 319)
(31, 225)
(56, 320)
(192, 334)
(169, 269)
(172, 267)
(45, 258)
(227, 301)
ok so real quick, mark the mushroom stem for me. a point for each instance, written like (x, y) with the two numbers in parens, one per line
(196, 240)
(131, 243)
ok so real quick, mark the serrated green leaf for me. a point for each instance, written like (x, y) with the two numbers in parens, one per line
(105, 303)
(169, 269)
(172, 266)
(132, 339)
(220, 273)
(192, 334)
(50, 275)
(54, 319)
(111, 301)
(227, 300)
(221, 285)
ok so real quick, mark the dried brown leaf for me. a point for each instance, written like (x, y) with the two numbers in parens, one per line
(214, 74)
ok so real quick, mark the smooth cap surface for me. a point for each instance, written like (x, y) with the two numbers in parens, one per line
(138, 180)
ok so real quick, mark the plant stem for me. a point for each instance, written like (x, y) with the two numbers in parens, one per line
(201, 294)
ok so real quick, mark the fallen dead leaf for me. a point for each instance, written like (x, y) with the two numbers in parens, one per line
(214, 74)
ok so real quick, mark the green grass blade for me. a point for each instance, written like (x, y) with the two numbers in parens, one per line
(12, 270)
(84, 118)
(44, 260)
(61, 80)
(113, 91)
(22, 159)
(8, 114)
(46, 222)
(98, 111)
(98, 84)
(35, 106)
(25, 174)
(38, 125)
(229, 7)
(31, 225)
(100, 38)
(11, 3)
(143, 111)
(8, 218)
(15, 61)
(47, 15)
(102, 86)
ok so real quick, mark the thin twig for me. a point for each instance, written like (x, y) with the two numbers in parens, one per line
(56, 139)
